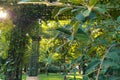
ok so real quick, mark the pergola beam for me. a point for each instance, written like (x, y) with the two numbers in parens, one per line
(46, 3)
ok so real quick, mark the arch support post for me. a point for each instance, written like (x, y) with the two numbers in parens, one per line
(34, 56)
(33, 66)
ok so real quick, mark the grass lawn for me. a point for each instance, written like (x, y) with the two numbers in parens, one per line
(55, 76)
(51, 76)
(71, 77)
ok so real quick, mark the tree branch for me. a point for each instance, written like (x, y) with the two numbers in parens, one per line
(104, 59)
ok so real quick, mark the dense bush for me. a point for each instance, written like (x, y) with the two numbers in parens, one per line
(53, 69)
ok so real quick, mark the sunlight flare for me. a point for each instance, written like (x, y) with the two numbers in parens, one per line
(3, 14)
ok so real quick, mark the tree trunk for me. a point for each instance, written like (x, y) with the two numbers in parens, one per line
(46, 70)
(14, 71)
(60, 67)
(79, 69)
(65, 72)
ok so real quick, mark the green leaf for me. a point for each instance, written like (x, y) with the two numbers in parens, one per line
(118, 28)
(64, 30)
(92, 66)
(75, 1)
(63, 10)
(50, 58)
(91, 49)
(71, 38)
(72, 21)
(108, 63)
(92, 2)
(85, 77)
(81, 31)
(92, 15)
(104, 70)
(113, 78)
(58, 48)
(80, 17)
(100, 10)
(114, 56)
(77, 10)
(78, 60)
(86, 13)
(75, 27)
(55, 11)
(118, 19)
(82, 37)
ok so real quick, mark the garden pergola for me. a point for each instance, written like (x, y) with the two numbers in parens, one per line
(23, 15)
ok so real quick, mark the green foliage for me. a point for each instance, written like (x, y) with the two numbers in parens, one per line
(53, 69)
(99, 34)
(118, 19)
(5, 29)
(92, 66)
